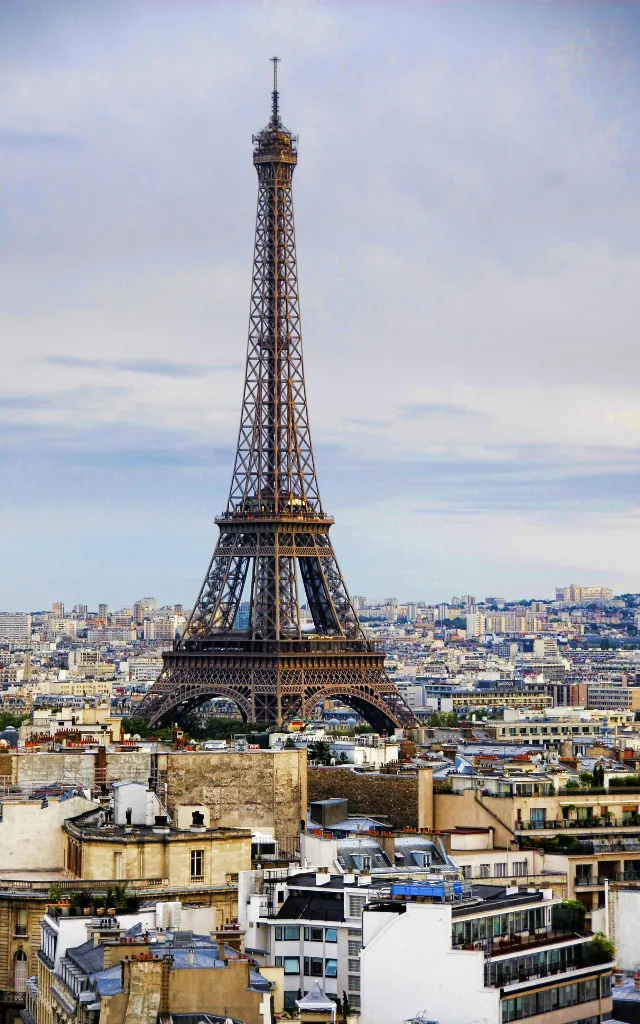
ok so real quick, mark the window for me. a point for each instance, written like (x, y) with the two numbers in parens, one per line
(550, 999)
(519, 867)
(21, 921)
(484, 871)
(313, 934)
(20, 971)
(290, 996)
(117, 864)
(197, 865)
(356, 905)
(331, 935)
(288, 933)
(354, 947)
(354, 983)
(538, 816)
(313, 966)
(291, 964)
(466, 871)
(331, 968)
(354, 966)
(500, 869)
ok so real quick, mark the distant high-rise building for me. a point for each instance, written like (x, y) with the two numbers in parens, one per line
(102, 611)
(138, 613)
(81, 611)
(575, 594)
(57, 609)
(358, 601)
(476, 625)
(242, 618)
(150, 603)
(177, 609)
(15, 627)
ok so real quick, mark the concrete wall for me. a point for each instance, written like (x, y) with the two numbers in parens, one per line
(408, 966)
(31, 836)
(452, 809)
(624, 914)
(400, 800)
(265, 790)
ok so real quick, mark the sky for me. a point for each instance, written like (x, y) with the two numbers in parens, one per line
(467, 208)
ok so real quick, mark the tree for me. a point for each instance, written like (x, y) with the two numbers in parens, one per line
(289, 743)
(9, 721)
(319, 752)
(345, 1007)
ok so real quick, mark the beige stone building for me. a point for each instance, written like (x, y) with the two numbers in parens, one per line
(170, 856)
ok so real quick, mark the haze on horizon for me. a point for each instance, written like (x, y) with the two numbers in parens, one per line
(466, 210)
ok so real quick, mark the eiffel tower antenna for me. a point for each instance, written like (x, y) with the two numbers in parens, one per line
(273, 627)
(274, 94)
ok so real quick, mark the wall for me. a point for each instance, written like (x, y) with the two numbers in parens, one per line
(453, 809)
(265, 790)
(155, 857)
(402, 800)
(624, 914)
(218, 990)
(31, 836)
(408, 966)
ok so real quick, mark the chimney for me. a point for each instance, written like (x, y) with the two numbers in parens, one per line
(617, 977)
(190, 958)
(349, 878)
(364, 879)
(387, 842)
(322, 877)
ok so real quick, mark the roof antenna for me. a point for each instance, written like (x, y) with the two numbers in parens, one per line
(274, 95)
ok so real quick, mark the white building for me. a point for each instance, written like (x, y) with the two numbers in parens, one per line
(311, 925)
(15, 627)
(467, 956)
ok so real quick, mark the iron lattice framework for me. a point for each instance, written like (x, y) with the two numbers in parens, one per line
(274, 542)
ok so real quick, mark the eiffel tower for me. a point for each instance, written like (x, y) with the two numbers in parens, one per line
(274, 542)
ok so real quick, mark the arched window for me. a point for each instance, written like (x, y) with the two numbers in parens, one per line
(20, 971)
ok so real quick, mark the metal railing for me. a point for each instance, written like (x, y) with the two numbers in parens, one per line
(572, 823)
(515, 941)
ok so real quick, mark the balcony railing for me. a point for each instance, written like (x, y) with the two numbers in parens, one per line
(516, 941)
(500, 973)
(573, 823)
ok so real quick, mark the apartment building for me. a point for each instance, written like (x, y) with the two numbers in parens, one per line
(136, 841)
(479, 953)
(15, 627)
(96, 966)
(310, 923)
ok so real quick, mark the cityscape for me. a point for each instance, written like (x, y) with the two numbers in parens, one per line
(274, 799)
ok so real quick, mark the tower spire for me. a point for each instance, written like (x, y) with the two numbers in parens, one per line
(275, 116)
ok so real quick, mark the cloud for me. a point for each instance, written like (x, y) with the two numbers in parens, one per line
(37, 142)
(156, 367)
(469, 291)
(420, 410)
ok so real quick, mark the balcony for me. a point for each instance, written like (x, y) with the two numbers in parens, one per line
(574, 824)
(507, 972)
(516, 941)
(590, 883)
